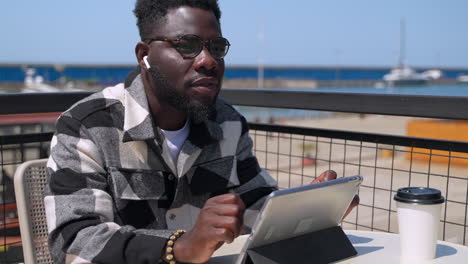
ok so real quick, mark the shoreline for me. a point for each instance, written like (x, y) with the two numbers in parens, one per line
(242, 84)
(302, 83)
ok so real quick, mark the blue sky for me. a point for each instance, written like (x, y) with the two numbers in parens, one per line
(297, 32)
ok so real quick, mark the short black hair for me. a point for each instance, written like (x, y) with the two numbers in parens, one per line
(150, 12)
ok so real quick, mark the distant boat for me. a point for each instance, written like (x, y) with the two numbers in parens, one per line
(462, 79)
(35, 83)
(405, 75)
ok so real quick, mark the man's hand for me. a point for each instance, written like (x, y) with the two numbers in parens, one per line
(331, 175)
(219, 221)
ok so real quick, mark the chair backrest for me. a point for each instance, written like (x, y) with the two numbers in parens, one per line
(29, 180)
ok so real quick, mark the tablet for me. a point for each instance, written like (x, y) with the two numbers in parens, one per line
(292, 212)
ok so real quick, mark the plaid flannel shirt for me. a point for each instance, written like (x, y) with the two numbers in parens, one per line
(114, 195)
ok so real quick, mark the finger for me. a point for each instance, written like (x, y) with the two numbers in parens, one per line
(325, 176)
(244, 230)
(354, 203)
(228, 210)
(330, 175)
(218, 245)
(224, 235)
(225, 206)
(227, 198)
(231, 223)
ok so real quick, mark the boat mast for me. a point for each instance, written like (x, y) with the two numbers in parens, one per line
(260, 67)
(402, 59)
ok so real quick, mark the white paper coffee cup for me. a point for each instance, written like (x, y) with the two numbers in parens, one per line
(418, 221)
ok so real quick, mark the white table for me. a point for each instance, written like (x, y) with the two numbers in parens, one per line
(372, 247)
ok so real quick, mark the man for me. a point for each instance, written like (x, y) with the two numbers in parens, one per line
(134, 163)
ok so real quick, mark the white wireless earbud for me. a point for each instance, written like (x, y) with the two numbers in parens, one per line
(145, 59)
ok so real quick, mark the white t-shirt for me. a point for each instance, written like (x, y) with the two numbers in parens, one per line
(175, 139)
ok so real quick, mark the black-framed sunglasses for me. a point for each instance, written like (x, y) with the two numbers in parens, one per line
(189, 46)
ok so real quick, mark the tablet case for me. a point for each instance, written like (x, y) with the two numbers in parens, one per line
(319, 247)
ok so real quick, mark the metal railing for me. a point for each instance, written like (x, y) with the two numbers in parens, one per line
(295, 155)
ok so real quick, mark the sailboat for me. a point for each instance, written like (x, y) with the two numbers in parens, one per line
(402, 74)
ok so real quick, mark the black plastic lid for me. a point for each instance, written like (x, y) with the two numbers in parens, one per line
(419, 195)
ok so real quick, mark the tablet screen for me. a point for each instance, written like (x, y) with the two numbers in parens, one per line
(296, 211)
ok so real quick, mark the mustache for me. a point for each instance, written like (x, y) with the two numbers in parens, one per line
(205, 74)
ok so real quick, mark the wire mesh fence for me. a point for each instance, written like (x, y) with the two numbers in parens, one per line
(295, 156)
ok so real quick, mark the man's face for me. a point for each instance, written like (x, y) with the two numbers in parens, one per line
(189, 85)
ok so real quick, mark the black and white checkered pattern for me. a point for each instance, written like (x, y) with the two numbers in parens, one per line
(114, 194)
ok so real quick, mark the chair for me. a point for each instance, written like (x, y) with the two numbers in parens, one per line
(29, 180)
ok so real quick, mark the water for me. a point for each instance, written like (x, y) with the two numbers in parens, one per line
(110, 74)
(439, 90)
(270, 114)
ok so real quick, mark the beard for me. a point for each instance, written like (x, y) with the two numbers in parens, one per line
(167, 93)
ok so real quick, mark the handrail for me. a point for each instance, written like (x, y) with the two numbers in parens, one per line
(446, 107)
(25, 103)
(25, 138)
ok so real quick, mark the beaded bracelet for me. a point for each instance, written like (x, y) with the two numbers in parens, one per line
(169, 252)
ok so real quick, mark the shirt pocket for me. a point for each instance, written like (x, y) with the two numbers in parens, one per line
(136, 184)
(140, 197)
(215, 176)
